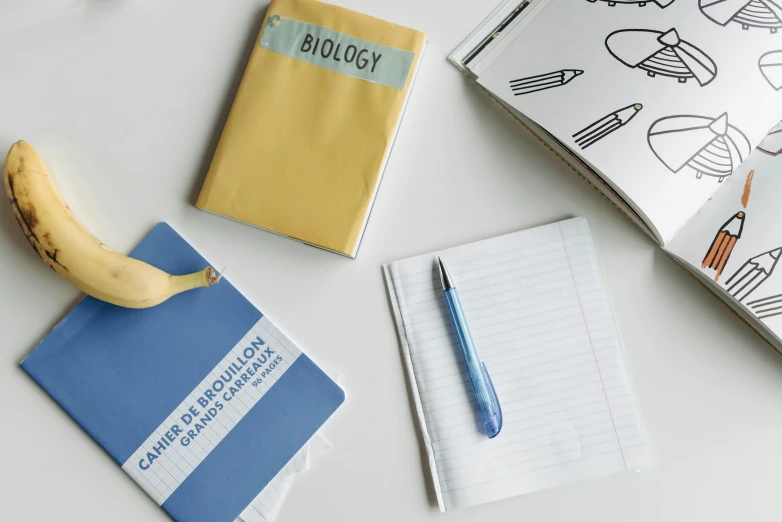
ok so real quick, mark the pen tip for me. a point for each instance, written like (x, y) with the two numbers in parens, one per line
(445, 277)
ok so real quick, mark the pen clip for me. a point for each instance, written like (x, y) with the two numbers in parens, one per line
(493, 425)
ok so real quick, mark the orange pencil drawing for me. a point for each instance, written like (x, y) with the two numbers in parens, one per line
(747, 189)
(722, 246)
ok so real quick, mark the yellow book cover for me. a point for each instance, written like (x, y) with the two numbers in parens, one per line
(313, 122)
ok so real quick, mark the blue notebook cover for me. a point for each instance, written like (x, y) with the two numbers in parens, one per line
(202, 400)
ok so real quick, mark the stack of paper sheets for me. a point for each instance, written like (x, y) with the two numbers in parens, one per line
(267, 504)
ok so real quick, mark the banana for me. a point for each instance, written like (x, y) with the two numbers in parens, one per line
(75, 254)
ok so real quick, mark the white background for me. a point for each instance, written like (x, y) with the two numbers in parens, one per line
(126, 99)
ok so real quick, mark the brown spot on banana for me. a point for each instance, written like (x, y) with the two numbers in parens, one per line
(46, 240)
(30, 216)
(15, 205)
(49, 257)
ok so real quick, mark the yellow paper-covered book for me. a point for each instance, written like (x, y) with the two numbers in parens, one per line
(313, 122)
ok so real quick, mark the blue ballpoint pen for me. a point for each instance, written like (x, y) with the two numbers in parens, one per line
(481, 382)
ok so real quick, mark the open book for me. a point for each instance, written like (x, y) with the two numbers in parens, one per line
(664, 106)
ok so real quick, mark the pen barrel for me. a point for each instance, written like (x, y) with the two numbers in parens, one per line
(481, 382)
(463, 335)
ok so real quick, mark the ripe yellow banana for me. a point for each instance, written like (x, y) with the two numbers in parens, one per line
(75, 254)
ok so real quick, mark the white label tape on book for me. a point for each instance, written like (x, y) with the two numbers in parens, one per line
(211, 411)
(338, 52)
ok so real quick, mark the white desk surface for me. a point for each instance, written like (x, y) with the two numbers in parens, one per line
(126, 99)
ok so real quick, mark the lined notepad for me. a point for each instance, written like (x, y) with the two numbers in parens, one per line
(542, 322)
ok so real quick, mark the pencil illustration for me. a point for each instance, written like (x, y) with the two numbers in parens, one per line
(641, 3)
(770, 65)
(541, 82)
(763, 14)
(752, 274)
(722, 246)
(705, 146)
(663, 54)
(747, 188)
(772, 143)
(598, 130)
(767, 306)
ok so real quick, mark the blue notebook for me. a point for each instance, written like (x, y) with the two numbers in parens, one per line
(201, 400)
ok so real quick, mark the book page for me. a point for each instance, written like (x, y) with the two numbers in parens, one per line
(736, 238)
(542, 323)
(665, 98)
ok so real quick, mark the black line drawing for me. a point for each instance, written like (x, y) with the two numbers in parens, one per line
(661, 53)
(763, 14)
(770, 65)
(641, 3)
(767, 306)
(709, 146)
(722, 246)
(598, 130)
(772, 143)
(752, 274)
(541, 82)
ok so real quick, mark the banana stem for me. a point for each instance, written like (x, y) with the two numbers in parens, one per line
(183, 283)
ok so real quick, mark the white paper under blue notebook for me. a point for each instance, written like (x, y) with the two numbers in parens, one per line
(542, 322)
(201, 400)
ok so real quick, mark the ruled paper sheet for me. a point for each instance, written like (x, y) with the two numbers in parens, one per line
(542, 322)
